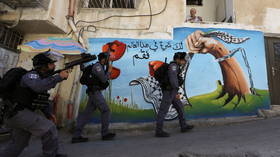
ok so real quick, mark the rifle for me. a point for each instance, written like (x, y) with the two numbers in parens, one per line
(85, 57)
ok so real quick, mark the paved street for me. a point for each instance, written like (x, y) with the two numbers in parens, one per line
(261, 138)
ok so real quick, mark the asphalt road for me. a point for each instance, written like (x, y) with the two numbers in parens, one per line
(258, 138)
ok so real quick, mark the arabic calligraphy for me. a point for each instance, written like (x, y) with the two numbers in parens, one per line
(143, 55)
(156, 45)
(146, 48)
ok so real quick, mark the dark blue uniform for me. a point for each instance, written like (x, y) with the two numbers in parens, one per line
(96, 100)
(169, 97)
(26, 122)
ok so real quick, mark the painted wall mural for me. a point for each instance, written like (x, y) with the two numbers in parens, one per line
(225, 74)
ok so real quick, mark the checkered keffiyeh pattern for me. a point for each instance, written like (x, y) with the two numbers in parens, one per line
(153, 94)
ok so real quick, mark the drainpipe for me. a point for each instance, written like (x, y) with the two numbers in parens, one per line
(70, 18)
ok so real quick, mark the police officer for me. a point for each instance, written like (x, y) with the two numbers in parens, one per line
(96, 100)
(170, 96)
(24, 121)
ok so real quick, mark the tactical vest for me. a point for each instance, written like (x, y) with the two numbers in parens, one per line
(98, 85)
(161, 75)
(27, 98)
(24, 97)
(92, 81)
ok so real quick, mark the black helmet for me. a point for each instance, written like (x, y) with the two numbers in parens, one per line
(103, 55)
(42, 59)
(179, 55)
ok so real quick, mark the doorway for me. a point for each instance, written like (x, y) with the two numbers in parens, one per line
(273, 68)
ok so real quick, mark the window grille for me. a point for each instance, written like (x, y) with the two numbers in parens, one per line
(194, 2)
(125, 4)
(9, 38)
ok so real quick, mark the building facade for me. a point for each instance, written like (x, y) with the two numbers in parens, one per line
(153, 31)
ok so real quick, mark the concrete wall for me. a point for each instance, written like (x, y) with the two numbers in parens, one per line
(161, 25)
(51, 20)
(264, 14)
(57, 13)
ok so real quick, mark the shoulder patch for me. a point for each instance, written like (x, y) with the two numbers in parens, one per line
(33, 76)
(98, 68)
(174, 67)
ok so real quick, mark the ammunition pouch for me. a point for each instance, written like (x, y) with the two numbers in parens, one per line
(42, 101)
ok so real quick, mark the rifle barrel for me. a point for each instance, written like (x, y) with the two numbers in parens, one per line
(83, 60)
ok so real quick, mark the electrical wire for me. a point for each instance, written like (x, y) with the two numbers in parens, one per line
(114, 28)
(86, 28)
(113, 16)
(147, 28)
(91, 25)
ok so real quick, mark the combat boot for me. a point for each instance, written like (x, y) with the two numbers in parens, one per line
(162, 134)
(79, 139)
(187, 128)
(61, 155)
(108, 136)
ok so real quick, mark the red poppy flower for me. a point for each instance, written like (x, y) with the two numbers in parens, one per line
(125, 99)
(115, 73)
(116, 49)
(118, 97)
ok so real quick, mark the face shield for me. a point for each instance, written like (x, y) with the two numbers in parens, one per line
(55, 56)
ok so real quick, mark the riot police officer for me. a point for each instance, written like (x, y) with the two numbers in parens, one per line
(96, 100)
(24, 121)
(170, 96)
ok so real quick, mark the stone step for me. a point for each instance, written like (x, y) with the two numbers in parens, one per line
(274, 111)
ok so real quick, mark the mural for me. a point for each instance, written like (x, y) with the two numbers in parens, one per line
(225, 74)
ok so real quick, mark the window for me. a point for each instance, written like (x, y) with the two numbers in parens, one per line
(194, 2)
(9, 38)
(127, 4)
(209, 11)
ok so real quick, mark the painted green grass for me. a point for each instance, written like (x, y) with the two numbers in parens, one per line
(203, 106)
(208, 105)
(124, 113)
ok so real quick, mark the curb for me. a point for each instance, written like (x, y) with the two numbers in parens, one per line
(273, 112)
(150, 126)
